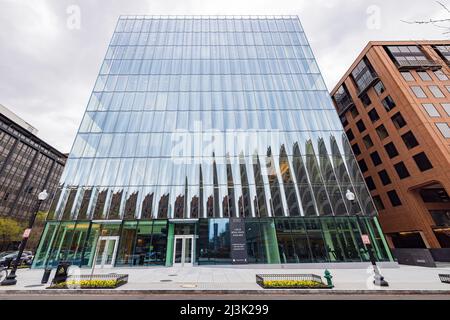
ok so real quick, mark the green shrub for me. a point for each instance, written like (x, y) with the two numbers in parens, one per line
(111, 283)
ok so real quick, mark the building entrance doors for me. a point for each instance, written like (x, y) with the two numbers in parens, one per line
(183, 251)
(106, 251)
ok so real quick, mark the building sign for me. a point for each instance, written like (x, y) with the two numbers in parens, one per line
(365, 239)
(238, 240)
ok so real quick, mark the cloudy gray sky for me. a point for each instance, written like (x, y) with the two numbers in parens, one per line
(48, 66)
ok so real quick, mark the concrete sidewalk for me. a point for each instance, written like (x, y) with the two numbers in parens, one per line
(403, 279)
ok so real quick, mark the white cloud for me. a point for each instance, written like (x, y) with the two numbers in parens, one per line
(48, 70)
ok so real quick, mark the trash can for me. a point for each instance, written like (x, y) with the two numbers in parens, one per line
(61, 272)
(46, 275)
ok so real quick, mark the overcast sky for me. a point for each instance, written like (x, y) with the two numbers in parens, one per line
(48, 65)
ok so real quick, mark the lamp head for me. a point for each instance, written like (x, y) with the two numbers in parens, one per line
(43, 195)
(350, 195)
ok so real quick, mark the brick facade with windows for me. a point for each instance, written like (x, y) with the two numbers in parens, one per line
(403, 104)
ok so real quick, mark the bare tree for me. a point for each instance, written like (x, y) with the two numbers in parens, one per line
(439, 23)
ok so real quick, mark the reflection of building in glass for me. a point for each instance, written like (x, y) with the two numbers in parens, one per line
(216, 236)
(200, 119)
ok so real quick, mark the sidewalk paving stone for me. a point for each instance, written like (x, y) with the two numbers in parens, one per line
(236, 278)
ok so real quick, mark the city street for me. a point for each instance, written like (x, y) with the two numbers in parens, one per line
(209, 296)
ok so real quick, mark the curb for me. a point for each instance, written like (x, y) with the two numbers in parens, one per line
(223, 292)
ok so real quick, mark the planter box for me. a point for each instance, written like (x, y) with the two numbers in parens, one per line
(445, 278)
(441, 255)
(414, 257)
(275, 281)
(103, 281)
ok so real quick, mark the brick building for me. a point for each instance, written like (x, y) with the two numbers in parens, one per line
(394, 103)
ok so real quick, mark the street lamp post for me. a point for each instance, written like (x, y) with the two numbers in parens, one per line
(11, 278)
(378, 278)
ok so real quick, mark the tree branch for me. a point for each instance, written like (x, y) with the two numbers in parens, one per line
(443, 6)
(435, 22)
(426, 22)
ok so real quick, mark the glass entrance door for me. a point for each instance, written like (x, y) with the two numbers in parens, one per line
(106, 252)
(183, 252)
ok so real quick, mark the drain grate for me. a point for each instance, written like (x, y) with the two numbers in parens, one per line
(173, 275)
(186, 285)
(165, 280)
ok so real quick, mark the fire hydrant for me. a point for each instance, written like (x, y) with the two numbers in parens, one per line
(328, 276)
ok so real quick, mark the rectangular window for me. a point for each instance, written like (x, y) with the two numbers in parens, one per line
(418, 92)
(368, 141)
(384, 177)
(446, 107)
(391, 150)
(430, 110)
(410, 140)
(344, 120)
(444, 52)
(434, 194)
(424, 75)
(444, 129)
(363, 75)
(422, 162)
(398, 120)
(342, 98)
(402, 171)
(361, 126)
(378, 203)
(370, 183)
(393, 197)
(373, 115)
(388, 103)
(356, 149)
(441, 75)
(441, 218)
(350, 134)
(363, 166)
(409, 56)
(365, 100)
(354, 112)
(382, 132)
(379, 88)
(375, 158)
(437, 93)
(407, 76)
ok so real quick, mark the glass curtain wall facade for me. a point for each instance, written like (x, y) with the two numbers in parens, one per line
(203, 120)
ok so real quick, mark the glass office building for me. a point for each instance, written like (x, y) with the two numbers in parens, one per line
(210, 140)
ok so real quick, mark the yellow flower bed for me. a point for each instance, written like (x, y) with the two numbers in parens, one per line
(292, 283)
(86, 284)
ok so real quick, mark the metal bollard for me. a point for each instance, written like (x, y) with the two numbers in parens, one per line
(46, 275)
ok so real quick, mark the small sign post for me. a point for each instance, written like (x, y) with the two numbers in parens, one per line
(365, 239)
(26, 233)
